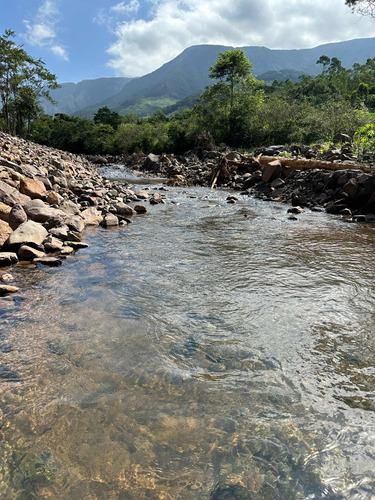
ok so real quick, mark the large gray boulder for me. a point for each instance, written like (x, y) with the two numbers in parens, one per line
(124, 209)
(28, 233)
(38, 211)
(92, 216)
(10, 195)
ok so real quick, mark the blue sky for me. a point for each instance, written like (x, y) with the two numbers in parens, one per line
(81, 39)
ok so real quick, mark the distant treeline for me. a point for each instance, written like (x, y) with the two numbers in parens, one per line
(237, 109)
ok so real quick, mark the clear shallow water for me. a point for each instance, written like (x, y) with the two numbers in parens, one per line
(205, 351)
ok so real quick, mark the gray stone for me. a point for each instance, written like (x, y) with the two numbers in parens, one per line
(48, 261)
(92, 216)
(17, 216)
(69, 208)
(351, 188)
(10, 195)
(29, 253)
(76, 223)
(295, 210)
(109, 220)
(5, 289)
(38, 211)
(8, 258)
(28, 232)
(140, 209)
(60, 232)
(123, 209)
(52, 244)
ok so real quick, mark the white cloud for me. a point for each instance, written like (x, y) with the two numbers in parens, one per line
(144, 45)
(126, 8)
(41, 31)
(60, 51)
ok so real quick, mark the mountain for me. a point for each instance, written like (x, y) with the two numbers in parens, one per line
(187, 74)
(73, 96)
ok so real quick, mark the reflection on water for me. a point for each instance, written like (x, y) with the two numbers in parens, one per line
(208, 351)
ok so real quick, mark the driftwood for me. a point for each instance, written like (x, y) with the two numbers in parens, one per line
(304, 164)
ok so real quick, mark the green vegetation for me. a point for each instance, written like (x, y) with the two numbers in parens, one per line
(237, 109)
(23, 81)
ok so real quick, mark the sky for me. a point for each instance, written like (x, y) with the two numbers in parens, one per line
(84, 39)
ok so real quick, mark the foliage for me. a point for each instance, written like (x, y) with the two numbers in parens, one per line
(226, 107)
(364, 7)
(364, 142)
(236, 109)
(23, 81)
(107, 117)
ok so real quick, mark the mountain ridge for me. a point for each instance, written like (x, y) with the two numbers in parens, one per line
(187, 74)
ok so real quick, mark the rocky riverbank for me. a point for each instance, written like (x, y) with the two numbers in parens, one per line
(47, 198)
(329, 180)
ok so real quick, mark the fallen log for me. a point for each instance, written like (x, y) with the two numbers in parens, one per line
(304, 164)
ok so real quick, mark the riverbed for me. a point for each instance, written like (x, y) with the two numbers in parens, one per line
(206, 351)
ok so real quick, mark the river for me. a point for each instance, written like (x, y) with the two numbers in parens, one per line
(206, 351)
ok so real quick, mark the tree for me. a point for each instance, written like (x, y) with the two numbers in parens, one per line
(23, 80)
(225, 105)
(107, 117)
(363, 7)
(324, 61)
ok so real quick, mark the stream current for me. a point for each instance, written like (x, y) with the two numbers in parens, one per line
(206, 351)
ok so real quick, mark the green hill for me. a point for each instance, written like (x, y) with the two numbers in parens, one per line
(187, 75)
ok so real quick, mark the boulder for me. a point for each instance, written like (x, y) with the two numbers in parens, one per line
(272, 171)
(48, 261)
(38, 211)
(5, 232)
(156, 198)
(54, 198)
(17, 216)
(123, 209)
(4, 212)
(76, 223)
(29, 253)
(6, 277)
(140, 209)
(69, 208)
(60, 232)
(52, 244)
(10, 195)
(8, 258)
(109, 220)
(91, 216)
(143, 195)
(33, 188)
(351, 188)
(295, 210)
(151, 162)
(5, 289)
(26, 233)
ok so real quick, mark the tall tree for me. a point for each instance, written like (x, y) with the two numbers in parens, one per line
(227, 103)
(23, 81)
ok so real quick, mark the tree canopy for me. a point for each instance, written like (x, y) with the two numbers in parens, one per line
(23, 81)
(364, 7)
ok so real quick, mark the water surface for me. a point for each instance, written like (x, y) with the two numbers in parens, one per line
(206, 351)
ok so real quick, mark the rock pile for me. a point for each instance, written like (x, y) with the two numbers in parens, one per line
(47, 198)
(330, 179)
